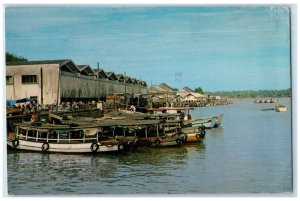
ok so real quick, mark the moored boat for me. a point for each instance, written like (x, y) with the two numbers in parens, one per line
(194, 134)
(219, 119)
(281, 108)
(60, 139)
(208, 122)
(137, 132)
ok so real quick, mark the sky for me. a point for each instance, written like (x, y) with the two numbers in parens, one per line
(213, 47)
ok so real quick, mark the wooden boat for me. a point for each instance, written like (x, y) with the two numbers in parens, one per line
(183, 112)
(194, 134)
(267, 101)
(219, 119)
(206, 122)
(60, 139)
(267, 109)
(192, 130)
(190, 134)
(280, 108)
(173, 125)
(141, 132)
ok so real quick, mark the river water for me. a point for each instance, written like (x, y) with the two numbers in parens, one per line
(250, 153)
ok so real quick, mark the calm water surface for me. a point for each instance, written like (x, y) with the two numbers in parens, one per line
(249, 153)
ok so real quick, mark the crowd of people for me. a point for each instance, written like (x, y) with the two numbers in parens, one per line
(32, 107)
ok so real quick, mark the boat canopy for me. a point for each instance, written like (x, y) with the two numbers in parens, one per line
(12, 102)
(170, 108)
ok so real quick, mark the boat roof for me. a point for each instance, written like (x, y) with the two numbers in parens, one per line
(46, 127)
(80, 124)
(127, 122)
(170, 108)
(100, 122)
(140, 115)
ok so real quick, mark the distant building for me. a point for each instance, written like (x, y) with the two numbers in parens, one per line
(187, 89)
(155, 89)
(167, 88)
(189, 97)
(215, 100)
(53, 81)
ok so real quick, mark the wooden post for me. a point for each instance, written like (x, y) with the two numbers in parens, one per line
(42, 95)
(146, 132)
(58, 83)
(83, 137)
(17, 132)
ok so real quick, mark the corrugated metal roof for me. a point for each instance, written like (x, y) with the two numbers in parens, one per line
(59, 61)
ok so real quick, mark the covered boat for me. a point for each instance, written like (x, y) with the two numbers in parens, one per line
(60, 138)
(138, 132)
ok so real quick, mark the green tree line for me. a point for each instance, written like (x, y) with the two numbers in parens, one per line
(253, 93)
(10, 57)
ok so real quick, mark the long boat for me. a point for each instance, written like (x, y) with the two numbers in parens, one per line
(192, 131)
(145, 132)
(191, 134)
(281, 108)
(172, 125)
(207, 122)
(60, 139)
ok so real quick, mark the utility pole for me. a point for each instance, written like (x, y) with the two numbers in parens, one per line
(98, 93)
(125, 95)
(125, 81)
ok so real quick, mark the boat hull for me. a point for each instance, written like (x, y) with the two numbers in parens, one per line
(219, 119)
(194, 134)
(194, 138)
(62, 148)
(281, 109)
(159, 142)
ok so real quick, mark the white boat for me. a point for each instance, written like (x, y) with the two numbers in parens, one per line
(207, 122)
(281, 108)
(60, 139)
(219, 119)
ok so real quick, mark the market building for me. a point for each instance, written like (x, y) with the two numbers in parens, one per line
(54, 81)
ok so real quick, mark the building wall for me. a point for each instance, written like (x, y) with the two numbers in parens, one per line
(20, 90)
(190, 98)
(78, 86)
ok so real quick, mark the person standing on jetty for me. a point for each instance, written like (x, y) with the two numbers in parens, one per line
(132, 109)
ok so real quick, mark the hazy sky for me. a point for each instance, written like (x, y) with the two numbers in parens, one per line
(217, 48)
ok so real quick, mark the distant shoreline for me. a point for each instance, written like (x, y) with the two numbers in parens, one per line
(253, 93)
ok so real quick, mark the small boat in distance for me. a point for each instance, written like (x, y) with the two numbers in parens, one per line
(281, 108)
(267, 101)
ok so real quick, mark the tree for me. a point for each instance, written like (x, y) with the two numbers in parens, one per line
(199, 90)
(10, 57)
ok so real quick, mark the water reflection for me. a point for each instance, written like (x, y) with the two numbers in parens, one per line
(155, 156)
(215, 132)
(234, 158)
